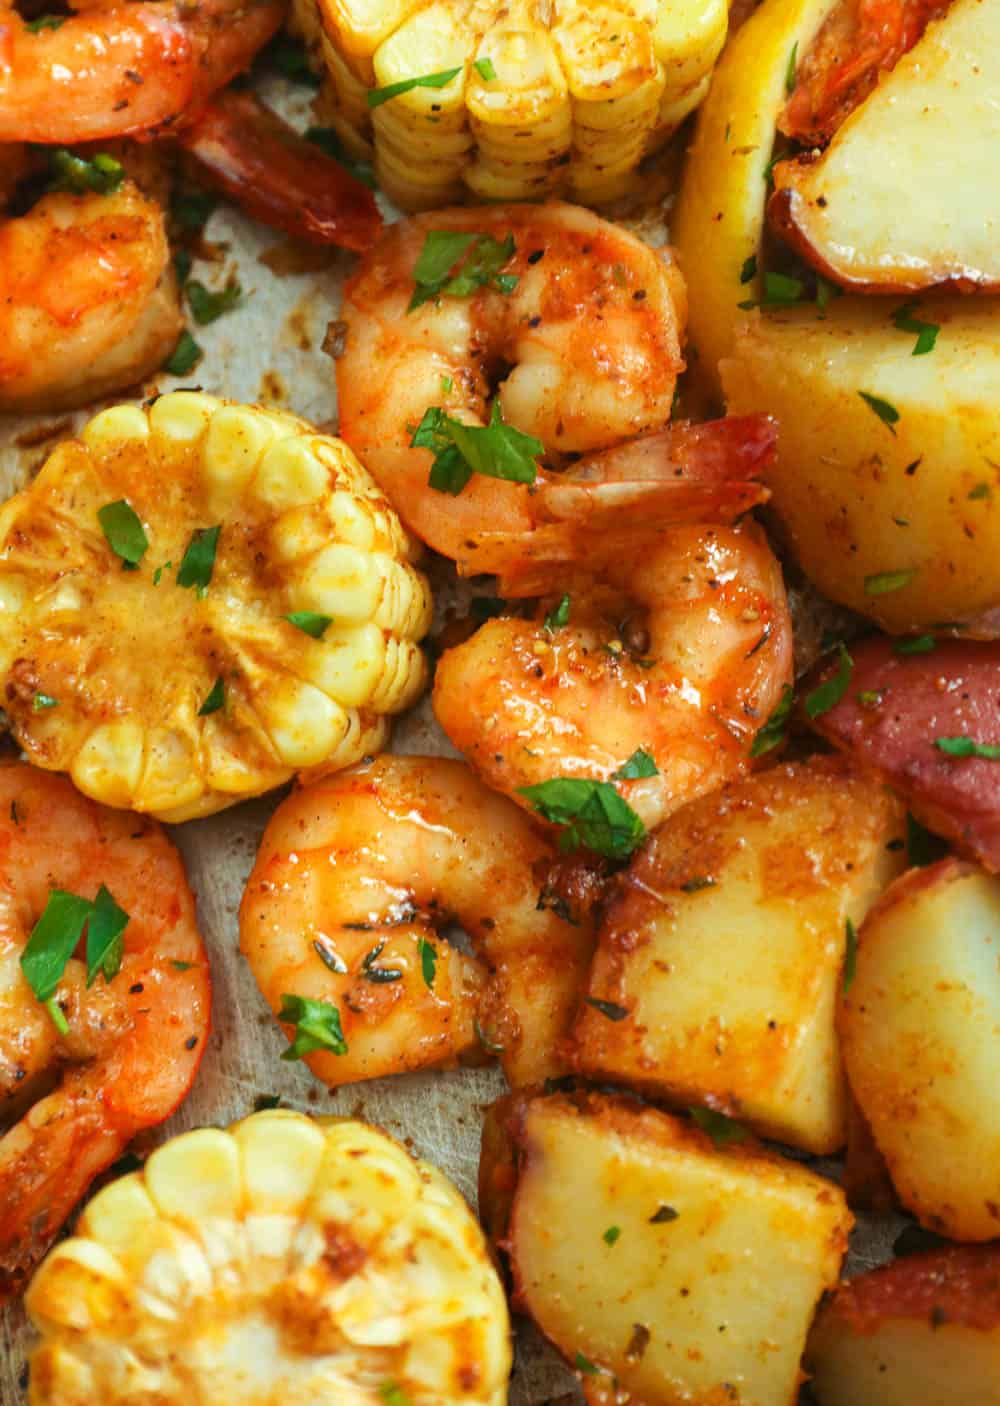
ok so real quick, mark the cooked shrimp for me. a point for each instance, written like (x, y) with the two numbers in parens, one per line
(356, 876)
(680, 649)
(88, 300)
(587, 344)
(130, 1045)
(114, 70)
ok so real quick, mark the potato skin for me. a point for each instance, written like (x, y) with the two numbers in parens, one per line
(724, 946)
(709, 1286)
(920, 1031)
(923, 1329)
(855, 499)
(952, 691)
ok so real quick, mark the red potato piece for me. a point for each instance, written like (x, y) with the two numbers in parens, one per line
(925, 1329)
(952, 691)
(278, 177)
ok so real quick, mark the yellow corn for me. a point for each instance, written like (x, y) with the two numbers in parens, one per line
(287, 1257)
(177, 698)
(551, 97)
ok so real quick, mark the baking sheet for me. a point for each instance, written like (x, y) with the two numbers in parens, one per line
(269, 350)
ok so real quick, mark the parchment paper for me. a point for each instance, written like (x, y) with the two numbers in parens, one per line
(268, 350)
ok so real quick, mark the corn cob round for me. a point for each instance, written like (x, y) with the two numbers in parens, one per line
(286, 1260)
(160, 690)
(550, 97)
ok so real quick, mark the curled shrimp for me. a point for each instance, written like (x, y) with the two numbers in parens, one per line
(585, 343)
(115, 70)
(88, 299)
(673, 638)
(131, 1045)
(355, 877)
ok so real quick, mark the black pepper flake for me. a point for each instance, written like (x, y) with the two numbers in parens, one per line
(535, 321)
(190, 1043)
(136, 989)
(639, 295)
(536, 255)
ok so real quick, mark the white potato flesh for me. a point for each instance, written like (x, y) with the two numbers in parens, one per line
(859, 498)
(900, 200)
(925, 1330)
(920, 1028)
(725, 946)
(706, 1292)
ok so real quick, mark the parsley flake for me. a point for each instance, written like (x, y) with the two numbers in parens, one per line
(310, 622)
(559, 617)
(884, 582)
(886, 412)
(428, 960)
(485, 69)
(612, 1234)
(57, 1015)
(41, 701)
(377, 96)
(781, 290)
(317, 1027)
(919, 644)
(124, 532)
(926, 333)
(639, 765)
(720, 1128)
(772, 734)
(215, 700)
(592, 813)
(45, 22)
(967, 747)
(793, 63)
(482, 257)
(496, 450)
(393, 1395)
(105, 937)
(981, 490)
(184, 357)
(55, 936)
(100, 174)
(827, 695)
(207, 305)
(198, 561)
(584, 1364)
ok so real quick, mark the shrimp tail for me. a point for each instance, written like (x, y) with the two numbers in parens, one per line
(278, 177)
(619, 501)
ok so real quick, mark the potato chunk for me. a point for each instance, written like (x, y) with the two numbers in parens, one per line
(922, 1330)
(920, 1028)
(897, 202)
(721, 956)
(682, 1271)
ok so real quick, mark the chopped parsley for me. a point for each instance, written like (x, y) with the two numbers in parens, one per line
(41, 701)
(558, 617)
(793, 63)
(981, 490)
(917, 644)
(592, 813)
(485, 69)
(584, 1364)
(496, 450)
(393, 1395)
(100, 174)
(640, 764)
(827, 695)
(886, 411)
(215, 699)
(310, 622)
(609, 1009)
(124, 532)
(850, 955)
(926, 333)
(45, 22)
(720, 1127)
(772, 734)
(967, 747)
(378, 96)
(317, 1027)
(781, 290)
(482, 259)
(612, 1234)
(208, 306)
(105, 937)
(198, 561)
(184, 357)
(55, 936)
(884, 582)
(428, 960)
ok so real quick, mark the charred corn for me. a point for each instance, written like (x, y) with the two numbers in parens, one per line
(546, 97)
(199, 600)
(286, 1259)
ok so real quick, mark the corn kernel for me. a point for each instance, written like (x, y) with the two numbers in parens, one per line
(290, 475)
(182, 416)
(109, 763)
(347, 664)
(84, 1287)
(236, 441)
(196, 1177)
(120, 1213)
(112, 426)
(281, 1153)
(304, 725)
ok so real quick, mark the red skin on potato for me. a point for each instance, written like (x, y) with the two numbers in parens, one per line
(952, 691)
(960, 1284)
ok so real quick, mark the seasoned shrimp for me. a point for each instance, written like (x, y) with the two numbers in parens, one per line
(88, 299)
(341, 917)
(115, 70)
(103, 1060)
(585, 341)
(680, 649)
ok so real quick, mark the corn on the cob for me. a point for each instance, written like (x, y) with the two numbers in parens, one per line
(284, 1260)
(183, 684)
(551, 97)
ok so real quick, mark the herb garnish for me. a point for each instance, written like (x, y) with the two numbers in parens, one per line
(886, 412)
(101, 174)
(827, 695)
(558, 617)
(967, 747)
(41, 701)
(926, 333)
(378, 96)
(884, 582)
(55, 936)
(612, 1234)
(592, 812)
(918, 644)
(124, 532)
(772, 734)
(781, 290)
(208, 306)
(485, 69)
(428, 960)
(184, 357)
(215, 699)
(639, 765)
(496, 450)
(198, 561)
(482, 259)
(793, 61)
(720, 1128)
(850, 954)
(310, 622)
(317, 1027)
